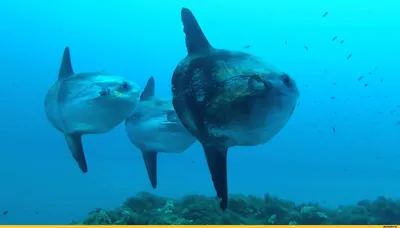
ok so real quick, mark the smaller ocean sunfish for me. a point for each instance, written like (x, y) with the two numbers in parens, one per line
(88, 103)
(155, 127)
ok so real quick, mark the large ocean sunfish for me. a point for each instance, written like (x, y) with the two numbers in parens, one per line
(154, 127)
(227, 98)
(88, 103)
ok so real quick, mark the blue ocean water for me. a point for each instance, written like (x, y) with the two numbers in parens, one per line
(340, 146)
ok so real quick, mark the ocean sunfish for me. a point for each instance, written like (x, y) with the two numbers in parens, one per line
(154, 127)
(88, 103)
(228, 98)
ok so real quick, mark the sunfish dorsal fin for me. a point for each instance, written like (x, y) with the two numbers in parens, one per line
(66, 65)
(196, 41)
(149, 90)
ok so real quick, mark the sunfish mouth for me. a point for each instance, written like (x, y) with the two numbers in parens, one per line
(108, 92)
(117, 94)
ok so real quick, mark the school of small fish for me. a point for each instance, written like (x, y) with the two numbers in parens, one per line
(349, 56)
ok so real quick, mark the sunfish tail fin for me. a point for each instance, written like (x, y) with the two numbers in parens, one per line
(196, 41)
(216, 160)
(74, 142)
(150, 160)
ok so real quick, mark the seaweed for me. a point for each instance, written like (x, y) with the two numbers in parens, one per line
(149, 209)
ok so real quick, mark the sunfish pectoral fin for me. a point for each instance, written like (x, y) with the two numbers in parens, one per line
(66, 65)
(196, 41)
(150, 160)
(216, 160)
(149, 90)
(74, 142)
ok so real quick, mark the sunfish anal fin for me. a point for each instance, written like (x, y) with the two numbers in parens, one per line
(74, 142)
(149, 90)
(66, 65)
(216, 160)
(150, 160)
(196, 41)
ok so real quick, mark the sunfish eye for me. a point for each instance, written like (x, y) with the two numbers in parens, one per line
(125, 85)
(172, 116)
(104, 92)
(286, 79)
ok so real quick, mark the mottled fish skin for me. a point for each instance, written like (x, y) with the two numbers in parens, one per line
(215, 101)
(226, 98)
(88, 103)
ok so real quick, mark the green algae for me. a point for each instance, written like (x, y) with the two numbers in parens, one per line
(145, 208)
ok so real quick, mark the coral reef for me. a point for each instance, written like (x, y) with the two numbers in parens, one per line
(146, 208)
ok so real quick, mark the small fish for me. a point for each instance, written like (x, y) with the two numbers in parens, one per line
(349, 56)
(324, 15)
(333, 129)
(366, 84)
(334, 38)
(360, 78)
(342, 41)
(398, 122)
(5, 212)
(381, 80)
(333, 98)
(305, 47)
(246, 46)
(333, 83)
(285, 41)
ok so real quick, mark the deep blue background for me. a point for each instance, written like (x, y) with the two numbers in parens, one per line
(307, 161)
